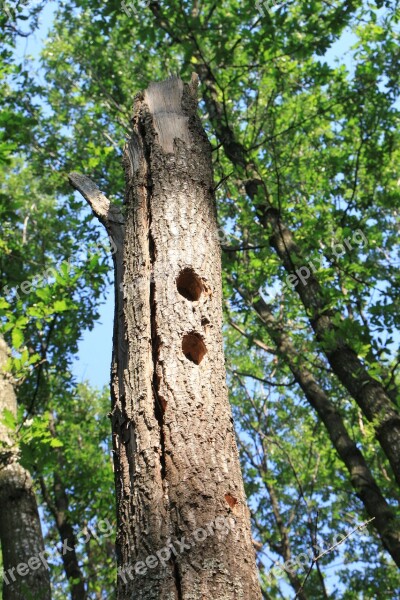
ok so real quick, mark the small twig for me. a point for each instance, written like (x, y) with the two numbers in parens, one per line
(254, 340)
(267, 381)
(361, 526)
(222, 181)
(243, 248)
(317, 558)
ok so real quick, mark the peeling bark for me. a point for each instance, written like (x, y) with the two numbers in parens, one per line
(26, 575)
(177, 470)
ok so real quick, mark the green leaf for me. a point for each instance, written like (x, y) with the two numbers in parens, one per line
(60, 305)
(8, 419)
(17, 338)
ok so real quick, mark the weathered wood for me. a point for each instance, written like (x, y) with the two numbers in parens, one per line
(184, 527)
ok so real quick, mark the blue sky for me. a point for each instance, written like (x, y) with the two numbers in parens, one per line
(94, 357)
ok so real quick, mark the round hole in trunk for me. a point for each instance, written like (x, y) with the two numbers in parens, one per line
(189, 285)
(193, 347)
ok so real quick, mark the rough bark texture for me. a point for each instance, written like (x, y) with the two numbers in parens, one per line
(177, 470)
(26, 576)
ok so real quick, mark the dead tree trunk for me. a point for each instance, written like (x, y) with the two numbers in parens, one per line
(25, 574)
(184, 528)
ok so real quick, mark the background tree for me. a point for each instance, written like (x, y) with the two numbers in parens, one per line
(20, 529)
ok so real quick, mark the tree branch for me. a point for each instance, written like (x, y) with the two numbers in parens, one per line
(266, 381)
(101, 206)
(255, 341)
(315, 559)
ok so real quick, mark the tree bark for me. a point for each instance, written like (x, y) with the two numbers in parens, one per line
(184, 527)
(26, 574)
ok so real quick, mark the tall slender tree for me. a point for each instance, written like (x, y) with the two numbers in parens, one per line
(184, 528)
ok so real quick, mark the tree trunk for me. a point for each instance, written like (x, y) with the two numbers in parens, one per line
(184, 528)
(58, 506)
(370, 394)
(26, 574)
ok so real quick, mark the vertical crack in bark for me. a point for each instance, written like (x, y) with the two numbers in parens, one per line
(177, 578)
(158, 407)
(187, 457)
(155, 341)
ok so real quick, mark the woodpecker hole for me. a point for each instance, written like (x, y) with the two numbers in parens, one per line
(189, 285)
(194, 348)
